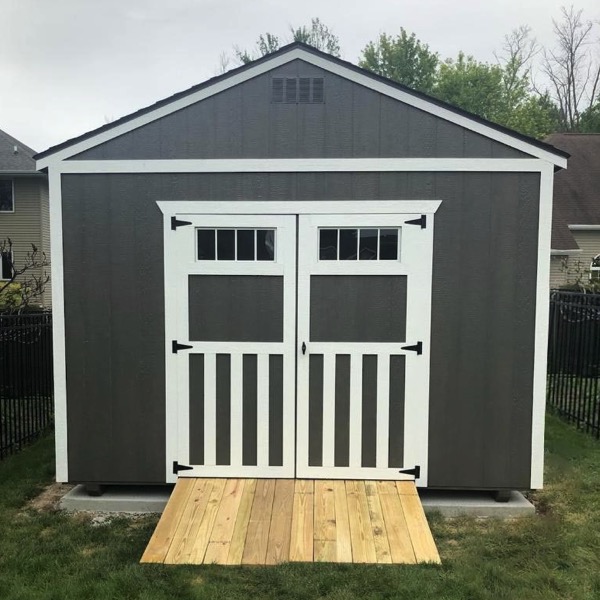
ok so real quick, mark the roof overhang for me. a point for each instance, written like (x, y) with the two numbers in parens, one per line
(584, 227)
(323, 61)
(22, 174)
(565, 252)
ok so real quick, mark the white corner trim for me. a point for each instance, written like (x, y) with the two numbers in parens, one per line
(584, 227)
(297, 207)
(565, 252)
(58, 327)
(542, 312)
(325, 64)
(296, 165)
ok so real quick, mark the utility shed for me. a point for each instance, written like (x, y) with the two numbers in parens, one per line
(301, 269)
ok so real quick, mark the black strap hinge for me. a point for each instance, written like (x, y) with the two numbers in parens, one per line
(418, 348)
(175, 223)
(177, 467)
(416, 471)
(421, 221)
(176, 346)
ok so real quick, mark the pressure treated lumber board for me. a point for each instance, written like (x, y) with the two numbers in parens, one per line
(270, 521)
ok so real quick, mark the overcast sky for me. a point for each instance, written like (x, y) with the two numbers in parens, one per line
(69, 66)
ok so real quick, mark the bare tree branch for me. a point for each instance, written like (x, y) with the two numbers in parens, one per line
(30, 275)
(571, 68)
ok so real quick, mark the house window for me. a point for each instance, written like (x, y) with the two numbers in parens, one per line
(595, 268)
(6, 266)
(368, 243)
(236, 244)
(7, 197)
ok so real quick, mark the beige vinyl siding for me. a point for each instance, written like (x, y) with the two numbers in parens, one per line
(575, 267)
(589, 242)
(23, 226)
(558, 275)
(45, 232)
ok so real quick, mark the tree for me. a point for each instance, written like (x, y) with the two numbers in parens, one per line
(404, 59)
(28, 280)
(590, 119)
(571, 68)
(471, 85)
(317, 35)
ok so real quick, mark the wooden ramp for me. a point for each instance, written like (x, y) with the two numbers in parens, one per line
(269, 521)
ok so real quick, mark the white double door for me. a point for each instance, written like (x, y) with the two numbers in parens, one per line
(298, 345)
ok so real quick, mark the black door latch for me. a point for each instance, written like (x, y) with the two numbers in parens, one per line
(303, 347)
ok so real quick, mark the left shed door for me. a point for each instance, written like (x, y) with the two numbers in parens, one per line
(233, 343)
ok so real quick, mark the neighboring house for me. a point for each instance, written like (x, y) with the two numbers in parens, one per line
(575, 255)
(24, 214)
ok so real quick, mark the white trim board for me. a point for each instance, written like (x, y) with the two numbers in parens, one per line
(58, 328)
(297, 207)
(303, 165)
(542, 313)
(325, 64)
(584, 227)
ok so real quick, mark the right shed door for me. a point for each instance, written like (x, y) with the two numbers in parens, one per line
(364, 306)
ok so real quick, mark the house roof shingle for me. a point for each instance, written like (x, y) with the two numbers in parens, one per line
(576, 189)
(11, 161)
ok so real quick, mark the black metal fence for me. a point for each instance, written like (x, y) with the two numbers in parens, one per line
(574, 358)
(26, 385)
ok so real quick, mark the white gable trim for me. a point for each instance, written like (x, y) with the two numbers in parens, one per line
(303, 165)
(325, 64)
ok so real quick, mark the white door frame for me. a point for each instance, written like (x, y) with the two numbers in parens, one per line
(181, 209)
(415, 261)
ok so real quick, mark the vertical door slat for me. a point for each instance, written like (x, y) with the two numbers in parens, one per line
(383, 409)
(210, 409)
(262, 410)
(328, 409)
(355, 410)
(237, 429)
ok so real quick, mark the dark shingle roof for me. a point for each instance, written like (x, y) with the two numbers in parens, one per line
(283, 50)
(576, 190)
(10, 161)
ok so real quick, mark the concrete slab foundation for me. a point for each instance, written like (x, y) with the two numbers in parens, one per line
(475, 504)
(152, 499)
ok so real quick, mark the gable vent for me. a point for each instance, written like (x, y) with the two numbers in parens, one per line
(294, 90)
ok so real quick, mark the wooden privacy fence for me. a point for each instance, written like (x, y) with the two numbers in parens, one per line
(574, 358)
(26, 385)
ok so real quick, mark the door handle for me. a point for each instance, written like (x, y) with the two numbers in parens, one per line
(303, 347)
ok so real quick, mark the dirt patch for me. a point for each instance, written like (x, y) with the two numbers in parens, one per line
(48, 500)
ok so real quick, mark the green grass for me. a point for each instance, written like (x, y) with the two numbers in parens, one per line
(554, 555)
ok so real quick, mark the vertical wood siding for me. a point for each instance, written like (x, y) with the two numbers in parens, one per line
(483, 314)
(354, 121)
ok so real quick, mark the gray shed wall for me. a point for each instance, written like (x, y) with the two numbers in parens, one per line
(354, 121)
(483, 313)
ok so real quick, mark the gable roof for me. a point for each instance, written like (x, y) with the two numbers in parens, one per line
(14, 162)
(298, 50)
(576, 190)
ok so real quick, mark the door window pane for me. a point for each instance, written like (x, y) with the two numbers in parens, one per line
(265, 244)
(226, 244)
(388, 244)
(328, 244)
(368, 244)
(206, 244)
(348, 244)
(245, 244)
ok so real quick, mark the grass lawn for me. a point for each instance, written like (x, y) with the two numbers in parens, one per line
(553, 555)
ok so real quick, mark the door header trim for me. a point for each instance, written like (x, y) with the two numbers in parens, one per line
(298, 207)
